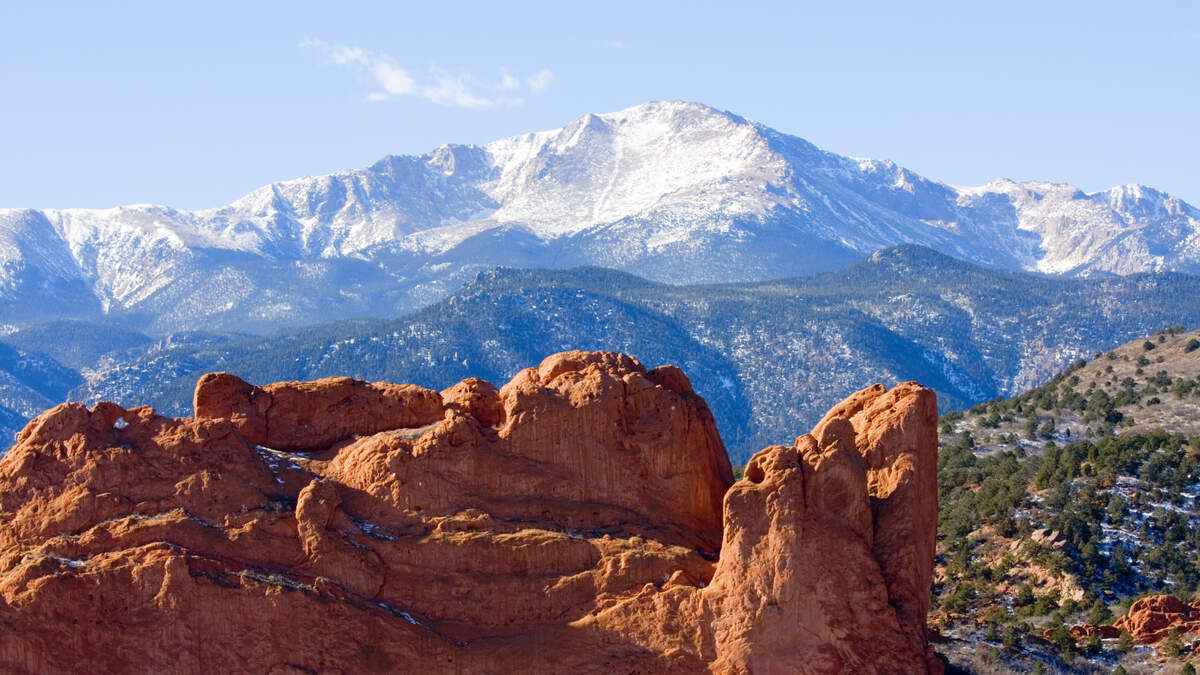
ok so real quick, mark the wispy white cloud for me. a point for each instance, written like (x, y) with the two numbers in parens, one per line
(435, 84)
(614, 44)
(541, 81)
(391, 78)
(508, 81)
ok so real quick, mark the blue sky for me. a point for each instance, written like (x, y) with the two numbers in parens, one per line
(195, 106)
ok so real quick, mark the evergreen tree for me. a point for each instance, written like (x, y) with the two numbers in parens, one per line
(1098, 613)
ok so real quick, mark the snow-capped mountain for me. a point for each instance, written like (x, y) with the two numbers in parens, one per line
(676, 192)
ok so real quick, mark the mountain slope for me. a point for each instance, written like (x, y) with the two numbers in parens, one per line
(1063, 504)
(675, 192)
(76, 344)
(768, 356)
(30, 383)
(1139, 387)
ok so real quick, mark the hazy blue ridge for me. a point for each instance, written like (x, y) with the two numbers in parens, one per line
(770, 357)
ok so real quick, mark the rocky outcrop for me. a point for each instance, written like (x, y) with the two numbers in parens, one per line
(312, 415)
(1087, 631)
(581, 518)
(1049, 538)
(1150, 619)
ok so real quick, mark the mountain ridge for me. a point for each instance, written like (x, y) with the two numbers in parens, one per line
(759, 352)
(677, 192)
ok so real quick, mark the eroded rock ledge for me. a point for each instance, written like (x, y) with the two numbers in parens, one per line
(583, 518)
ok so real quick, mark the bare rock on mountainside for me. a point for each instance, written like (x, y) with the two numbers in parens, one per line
(582, 518)
(1152, 618)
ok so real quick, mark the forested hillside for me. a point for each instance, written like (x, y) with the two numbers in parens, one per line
(1062, 505)
(769, 357)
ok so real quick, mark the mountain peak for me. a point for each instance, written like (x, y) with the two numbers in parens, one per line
(653, 117)
(676, 191)
(912, 257)
(668, 108)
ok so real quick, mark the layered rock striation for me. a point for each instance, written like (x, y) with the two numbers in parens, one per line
(582, 518)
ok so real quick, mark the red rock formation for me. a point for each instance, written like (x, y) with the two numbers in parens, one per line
(579, 519)
(312, 415)
(1086, 631)
(1152, 618)
(893, 431)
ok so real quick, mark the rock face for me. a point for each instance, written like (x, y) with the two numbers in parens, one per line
(582, 518)
(1152, 618)
(312, 415)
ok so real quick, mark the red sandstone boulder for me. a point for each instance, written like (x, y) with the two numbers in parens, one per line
(575, 520)
(475, 398)
(1087, 630)
(1152, 618)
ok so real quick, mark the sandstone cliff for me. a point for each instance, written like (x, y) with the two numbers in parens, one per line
(582, 518)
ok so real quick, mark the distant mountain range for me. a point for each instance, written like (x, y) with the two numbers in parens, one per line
(674, 192)
(770, 357)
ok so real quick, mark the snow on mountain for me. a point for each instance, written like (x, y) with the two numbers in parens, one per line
(673, 191)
